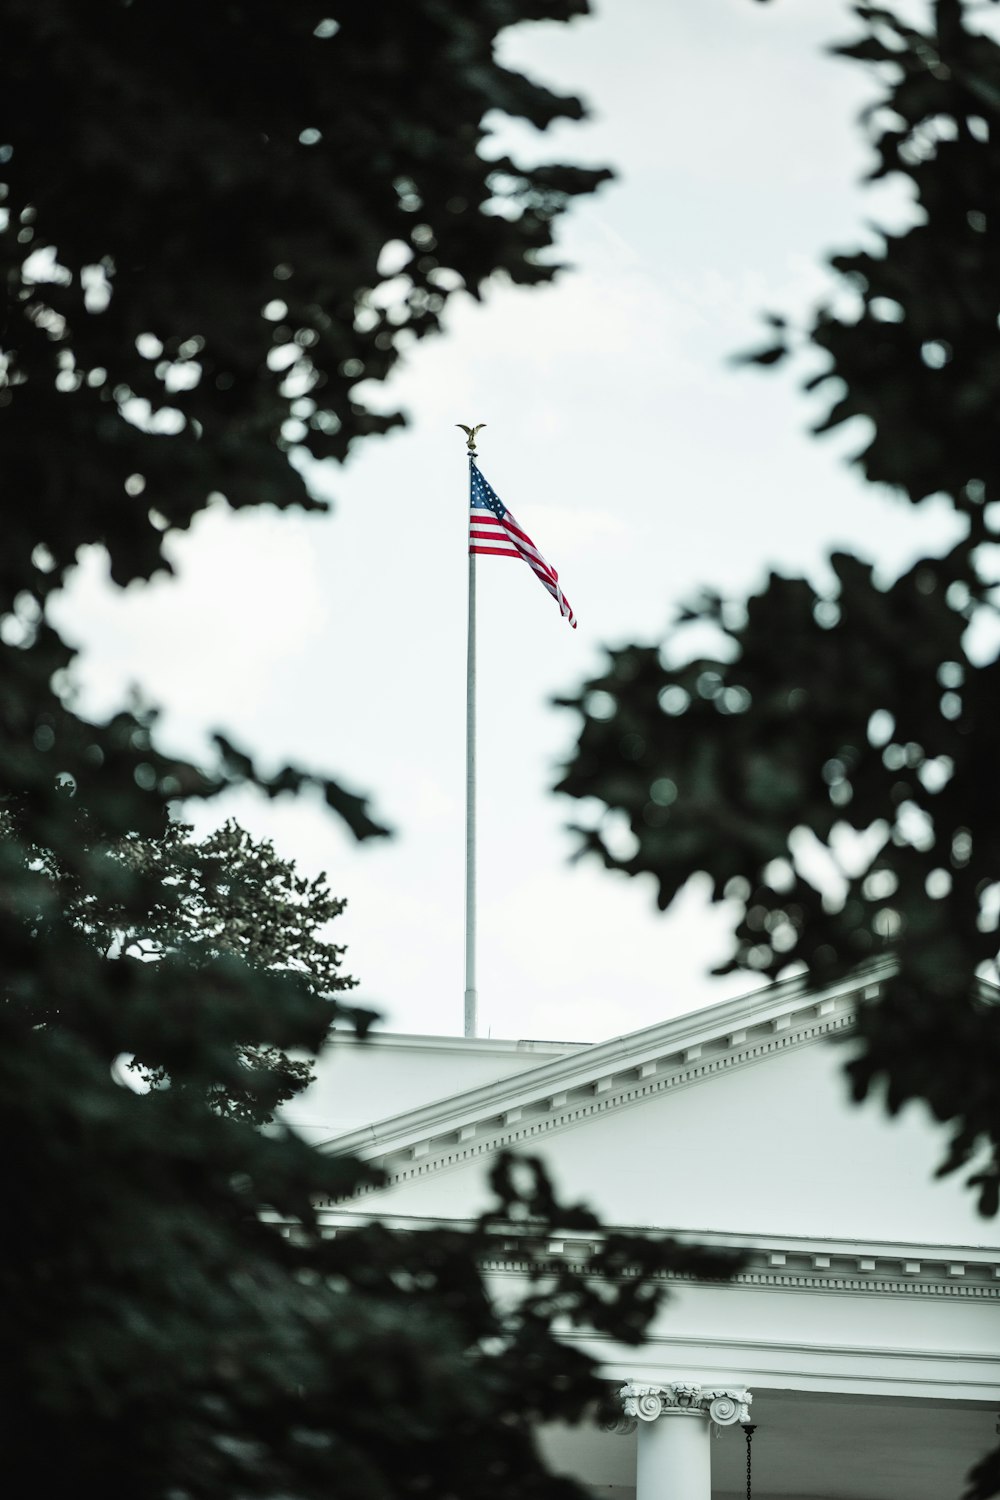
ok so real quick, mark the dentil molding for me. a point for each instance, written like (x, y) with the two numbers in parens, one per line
(625, 1084)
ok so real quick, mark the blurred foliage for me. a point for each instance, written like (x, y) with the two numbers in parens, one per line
(201, 900)
(217, 220)
(221, 220)
(831, 761)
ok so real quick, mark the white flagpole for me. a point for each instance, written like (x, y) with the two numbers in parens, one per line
(470, 810)
(470, 780)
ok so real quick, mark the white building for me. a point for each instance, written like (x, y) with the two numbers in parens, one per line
(865, 1331)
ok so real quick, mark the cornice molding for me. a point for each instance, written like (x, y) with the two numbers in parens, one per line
(751, 1349)
(541, 1110)
(694, 1044)
(833, 1282)
(883, 1285)
(858, 1368)
(853, 1274)
(786, 1263)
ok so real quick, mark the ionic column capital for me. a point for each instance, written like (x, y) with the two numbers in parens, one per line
(647, 1402)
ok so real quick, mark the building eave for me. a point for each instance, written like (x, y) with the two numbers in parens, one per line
(517, 1109)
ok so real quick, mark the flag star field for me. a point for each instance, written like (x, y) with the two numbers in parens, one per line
(494, 532)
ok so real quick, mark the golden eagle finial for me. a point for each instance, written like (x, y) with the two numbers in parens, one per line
(470, 434)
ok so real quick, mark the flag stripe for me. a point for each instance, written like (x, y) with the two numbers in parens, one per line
(493, 532)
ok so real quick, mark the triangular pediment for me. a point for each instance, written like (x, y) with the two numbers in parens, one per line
(732, 1117)
(611, 1074)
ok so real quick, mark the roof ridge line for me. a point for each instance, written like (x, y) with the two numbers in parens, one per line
(462, 1137)
(701, 1027)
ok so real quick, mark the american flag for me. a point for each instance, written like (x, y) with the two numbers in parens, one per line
(493, 531)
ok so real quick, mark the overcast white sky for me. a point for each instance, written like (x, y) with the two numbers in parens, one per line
(641, 461)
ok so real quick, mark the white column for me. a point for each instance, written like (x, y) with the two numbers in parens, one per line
(674, 1458)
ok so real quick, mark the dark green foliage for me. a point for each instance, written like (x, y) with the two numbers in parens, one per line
(984, 1480)
(199, 198)
(217, 184)
(860, 711)
(200, 901)
(157, 1327)
(871, 709)
(226, 893)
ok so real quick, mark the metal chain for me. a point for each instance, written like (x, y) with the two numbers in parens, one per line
(749, 1429)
